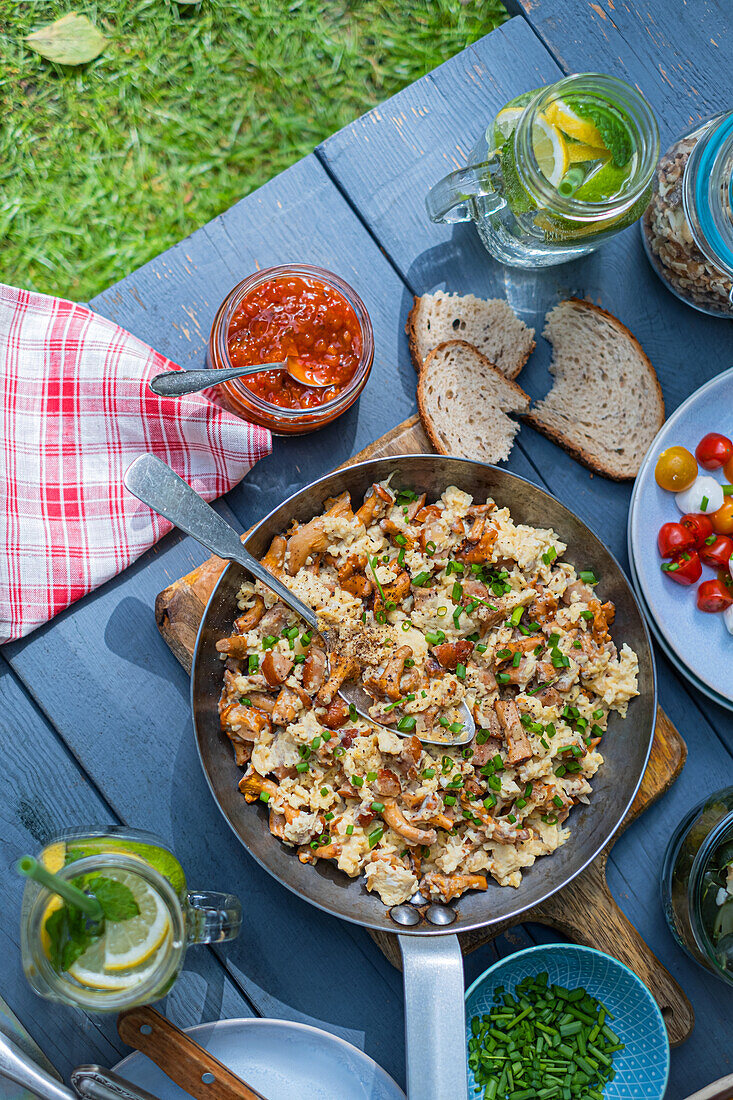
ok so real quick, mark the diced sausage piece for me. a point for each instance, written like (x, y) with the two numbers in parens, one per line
(286, 707)
(518, 745)
(576, 591)
(483, 753)
(388, 783)
(274, 620)
(276, 667)
(451, 654)
(314, 669)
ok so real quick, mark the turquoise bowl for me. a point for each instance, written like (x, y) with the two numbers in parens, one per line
(642, 1068)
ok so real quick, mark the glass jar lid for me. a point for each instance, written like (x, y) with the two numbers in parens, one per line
(708, 192)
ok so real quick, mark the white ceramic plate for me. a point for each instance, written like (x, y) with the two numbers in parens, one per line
(282, 1060)
(672, 656)
(697, 643)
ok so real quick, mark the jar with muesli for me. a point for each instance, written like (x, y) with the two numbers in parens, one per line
(687, 228)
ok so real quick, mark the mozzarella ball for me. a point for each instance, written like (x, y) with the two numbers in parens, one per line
(704, 495)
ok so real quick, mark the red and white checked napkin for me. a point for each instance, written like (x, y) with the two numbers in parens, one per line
(76, 410)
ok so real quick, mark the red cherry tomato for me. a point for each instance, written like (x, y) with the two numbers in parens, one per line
(714, 596)
(685, 568)
(717, 554)
(728, 471)
(699, 527)
(673, 538)
(722, 520)
(713, 451)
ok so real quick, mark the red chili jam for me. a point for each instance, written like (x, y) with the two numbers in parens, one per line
(302, 318)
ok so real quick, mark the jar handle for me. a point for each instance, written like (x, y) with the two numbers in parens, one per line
(450, 199)
(212, 918)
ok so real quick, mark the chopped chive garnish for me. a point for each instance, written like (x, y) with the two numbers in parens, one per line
(588, 576)
(264, 796)
(704, 504)
(421, 579)
(407, 722)
(461, 671)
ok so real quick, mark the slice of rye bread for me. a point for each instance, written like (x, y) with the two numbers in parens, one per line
(606, 404)
(491, 325)
(463, 401)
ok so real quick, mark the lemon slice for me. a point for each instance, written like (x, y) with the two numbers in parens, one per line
(130, 943)
(578, 152)
(54, 856)
(127, 944)
(89, 971)
(506, 120)
(551, 150)
(580, 129)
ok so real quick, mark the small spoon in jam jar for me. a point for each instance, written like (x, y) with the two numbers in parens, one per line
(176, 383)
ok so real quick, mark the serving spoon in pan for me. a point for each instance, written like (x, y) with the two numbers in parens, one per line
(155, 484)
(176, 383)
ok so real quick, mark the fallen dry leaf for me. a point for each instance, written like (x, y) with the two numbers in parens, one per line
(71, 40)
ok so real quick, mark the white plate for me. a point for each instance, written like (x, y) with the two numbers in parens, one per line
(282, 1060)
(697, 643)
(668, 652)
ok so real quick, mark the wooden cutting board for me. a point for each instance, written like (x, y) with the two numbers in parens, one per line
(584, 910)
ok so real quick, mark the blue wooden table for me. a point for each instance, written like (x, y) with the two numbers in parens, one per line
(94, 712)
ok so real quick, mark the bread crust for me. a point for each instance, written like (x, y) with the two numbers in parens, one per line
(425, 417)
(412, 341)
(592, 461)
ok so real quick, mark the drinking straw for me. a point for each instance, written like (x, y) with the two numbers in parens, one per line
(571, 181)
(31, 868)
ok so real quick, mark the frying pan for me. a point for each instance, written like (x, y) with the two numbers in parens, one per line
(432, 962)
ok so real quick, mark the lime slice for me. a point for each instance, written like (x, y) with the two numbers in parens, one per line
(605, 183)
(550, 149)
(572, 125)
(159, 858)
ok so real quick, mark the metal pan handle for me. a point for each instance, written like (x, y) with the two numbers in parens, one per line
(155, 484)
(435, 1028)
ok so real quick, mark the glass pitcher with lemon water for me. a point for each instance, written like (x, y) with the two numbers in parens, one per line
(557, 171)
(131, 952)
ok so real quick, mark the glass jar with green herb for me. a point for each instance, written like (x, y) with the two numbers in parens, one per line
(558, 171)
(107, 919)
(697, 884)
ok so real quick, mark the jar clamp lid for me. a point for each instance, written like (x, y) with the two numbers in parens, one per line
(708, 196)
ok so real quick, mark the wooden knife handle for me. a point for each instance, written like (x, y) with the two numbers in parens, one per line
(180, 1057)
(718, 1090)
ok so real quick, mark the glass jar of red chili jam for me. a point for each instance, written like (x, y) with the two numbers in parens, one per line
(301, 311)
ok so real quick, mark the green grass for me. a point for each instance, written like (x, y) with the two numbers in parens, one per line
(187, 110)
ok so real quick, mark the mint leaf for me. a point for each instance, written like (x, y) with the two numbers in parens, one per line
(612, 126)
(72, 855)
(70, 934)
(117, 900)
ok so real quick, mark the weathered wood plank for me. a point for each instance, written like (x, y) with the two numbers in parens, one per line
(677, 53)
(436, 133)
(120, 701)
(42, 792)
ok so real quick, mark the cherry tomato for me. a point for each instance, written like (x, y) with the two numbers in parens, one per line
(673, 538)
(699, 527)
(713, 451)
(718, 553)
(676, 469)
(714, 596)
(685, 568)
(728, 471)
(722, 520)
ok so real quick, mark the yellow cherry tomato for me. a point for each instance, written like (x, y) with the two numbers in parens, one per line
(722, 520)
(676, 469)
